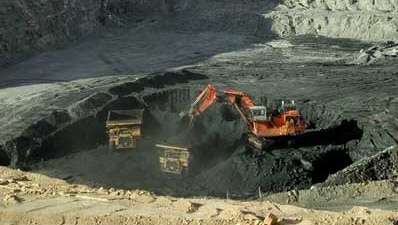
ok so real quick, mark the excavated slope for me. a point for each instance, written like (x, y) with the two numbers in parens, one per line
(366, 20)
(28, 27)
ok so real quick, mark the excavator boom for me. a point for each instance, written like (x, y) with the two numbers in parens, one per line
(204, 100)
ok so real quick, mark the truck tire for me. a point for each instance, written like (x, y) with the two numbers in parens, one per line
(111, 146)
(185, 172)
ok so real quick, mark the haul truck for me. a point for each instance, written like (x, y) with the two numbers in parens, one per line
(124, 128)
(174, 159)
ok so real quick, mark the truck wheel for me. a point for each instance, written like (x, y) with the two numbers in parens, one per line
(185, 172)
(111, 146)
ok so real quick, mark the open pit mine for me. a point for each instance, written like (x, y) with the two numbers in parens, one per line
(199, 112)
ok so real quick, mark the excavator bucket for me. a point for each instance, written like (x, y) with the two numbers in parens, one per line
(186, 119)
(173, 159)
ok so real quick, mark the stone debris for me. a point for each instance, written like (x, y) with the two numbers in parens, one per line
(270, 219)
(22, 185)
(10, 199)
(377, 54)
(15, 180)
(253, 219)
(4, 182)
(381, 166)
(292, 196)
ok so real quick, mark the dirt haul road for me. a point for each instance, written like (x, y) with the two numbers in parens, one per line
(29, 198)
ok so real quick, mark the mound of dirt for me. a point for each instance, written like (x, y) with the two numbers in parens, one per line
(361, 19)
(32, 198)
(377, 54)
(280, 170)
(381, 166)
(382, 192)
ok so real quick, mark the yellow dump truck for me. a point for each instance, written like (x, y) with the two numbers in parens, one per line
(174, 159)
(124, 128)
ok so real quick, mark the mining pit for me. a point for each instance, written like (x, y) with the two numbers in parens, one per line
(72, 144)
(76, 149)
(65, 64)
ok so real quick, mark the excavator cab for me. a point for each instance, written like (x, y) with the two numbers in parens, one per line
(259, 113)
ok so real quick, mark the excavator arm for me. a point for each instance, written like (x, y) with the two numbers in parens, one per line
(204, 101)
(210, 95)
(240, 100)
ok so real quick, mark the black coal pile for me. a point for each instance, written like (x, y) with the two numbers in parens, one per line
(382, 166)
(310, 160)
(81, 126)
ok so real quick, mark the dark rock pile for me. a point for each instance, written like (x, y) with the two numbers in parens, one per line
(81, 125)
(382, 166)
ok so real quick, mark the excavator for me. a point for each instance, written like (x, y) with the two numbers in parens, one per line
(265, 126)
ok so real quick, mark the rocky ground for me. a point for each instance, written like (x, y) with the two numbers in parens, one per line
(33, 198)
(134, 54)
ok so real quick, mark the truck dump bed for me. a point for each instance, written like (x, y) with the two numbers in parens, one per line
(124, 117)
(124, 128)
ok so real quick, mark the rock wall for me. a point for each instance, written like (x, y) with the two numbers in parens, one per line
(27, 27)
(366, 20)
(344, 5)
(139, 9)
(232, 16)
(30, 26)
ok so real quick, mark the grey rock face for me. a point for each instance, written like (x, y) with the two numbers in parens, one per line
(377, 54)
(27, 27)
(30, 26)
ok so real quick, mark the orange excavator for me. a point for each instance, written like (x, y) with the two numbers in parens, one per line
(264, 126)
(261, 123)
